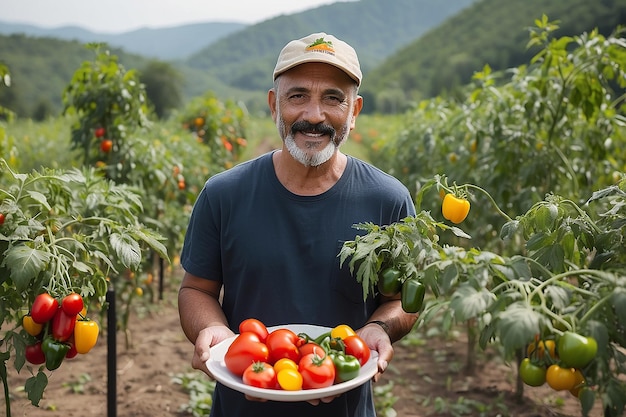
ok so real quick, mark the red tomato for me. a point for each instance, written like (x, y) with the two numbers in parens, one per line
(72, 352)
(356, 347)
(72, 304)
(311, 347)
(260, 375)
(63, 325)
(106, 145)
(255, 326)
(34, 354)
(317, 371)
(245, 350)
(44, 307)
(283, 343)
(100, 132)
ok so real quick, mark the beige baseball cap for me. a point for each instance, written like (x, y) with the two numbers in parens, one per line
(319, 47)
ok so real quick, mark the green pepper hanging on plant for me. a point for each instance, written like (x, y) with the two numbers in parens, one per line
(412, 295)
(54, 351)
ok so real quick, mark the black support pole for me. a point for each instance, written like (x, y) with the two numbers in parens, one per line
(111, 354)
(161, 277)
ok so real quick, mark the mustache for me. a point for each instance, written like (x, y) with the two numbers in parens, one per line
(307, 127)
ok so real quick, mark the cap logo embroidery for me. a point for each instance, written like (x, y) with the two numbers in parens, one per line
(320, 45)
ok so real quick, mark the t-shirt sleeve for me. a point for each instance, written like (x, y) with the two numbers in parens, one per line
(200, 255)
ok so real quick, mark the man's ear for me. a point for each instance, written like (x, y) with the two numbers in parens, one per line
(271, 102)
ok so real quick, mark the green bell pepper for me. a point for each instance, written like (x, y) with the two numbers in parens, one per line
(54, 351)
(347, 367)
(412, 295)
(390, 282)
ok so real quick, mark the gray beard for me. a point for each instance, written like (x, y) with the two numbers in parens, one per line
(311, 157)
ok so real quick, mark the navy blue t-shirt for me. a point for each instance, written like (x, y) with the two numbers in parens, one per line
(276, 254)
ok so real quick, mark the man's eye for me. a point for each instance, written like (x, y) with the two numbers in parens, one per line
(334, 99)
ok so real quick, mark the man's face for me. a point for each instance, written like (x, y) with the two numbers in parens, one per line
(315, 109)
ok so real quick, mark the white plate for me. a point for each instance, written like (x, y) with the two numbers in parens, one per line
(218, 369)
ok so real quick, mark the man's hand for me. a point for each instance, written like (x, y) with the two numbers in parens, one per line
(207, 338)
(377, 339)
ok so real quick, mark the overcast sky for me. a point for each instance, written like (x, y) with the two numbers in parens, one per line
(114, 16)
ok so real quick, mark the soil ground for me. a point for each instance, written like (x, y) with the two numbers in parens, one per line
(426, 378)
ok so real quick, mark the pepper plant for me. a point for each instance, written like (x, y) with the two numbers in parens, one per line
(63, 232)
(569, 280)
(554, 125)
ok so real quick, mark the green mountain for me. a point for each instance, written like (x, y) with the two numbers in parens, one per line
(409, 49)
(237, 65)
(493, 32)
(171, 43)
(375, 28)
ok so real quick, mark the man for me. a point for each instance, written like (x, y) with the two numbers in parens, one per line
(266, 233)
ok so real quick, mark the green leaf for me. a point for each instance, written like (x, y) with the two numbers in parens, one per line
(467, 302)
(459, 232)
(35, 386)
(126, 249)
(152, 240)
(618, 299)
(538, 241)
(508, 230)
(25, 264)
(40, 198)
(587, 398)
(517, 325)
(449, 277)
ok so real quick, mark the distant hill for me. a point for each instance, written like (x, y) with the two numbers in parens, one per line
(409, 49)
(493, 32)
(173, 43)
(237, 65)
(375, 28)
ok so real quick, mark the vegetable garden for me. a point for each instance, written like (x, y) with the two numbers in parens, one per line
(518, 181)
